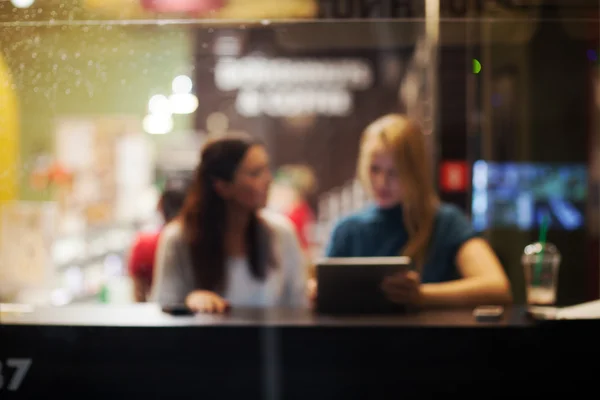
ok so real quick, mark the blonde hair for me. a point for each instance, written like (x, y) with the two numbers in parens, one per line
(405, 141)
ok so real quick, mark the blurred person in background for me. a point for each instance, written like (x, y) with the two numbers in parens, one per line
(289, 195)
(293, 186)
(453, 267)
(143, 251)
(225, 249)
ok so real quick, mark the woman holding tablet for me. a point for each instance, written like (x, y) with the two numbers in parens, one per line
(224, 249)
(453, 267)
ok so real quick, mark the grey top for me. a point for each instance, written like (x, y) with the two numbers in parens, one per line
(284, 286)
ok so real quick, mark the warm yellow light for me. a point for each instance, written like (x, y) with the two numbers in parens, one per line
(235, 9)
(120, 9)
(268, 9)
(9, 136)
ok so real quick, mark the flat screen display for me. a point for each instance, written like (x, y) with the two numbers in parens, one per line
(520, 195)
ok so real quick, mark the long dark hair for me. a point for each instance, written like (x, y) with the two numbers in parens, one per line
(204, 216)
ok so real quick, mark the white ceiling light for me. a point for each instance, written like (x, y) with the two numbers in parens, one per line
(182, 85)
(183, 103)
(159, 104)
(22, 3)
(158, 124)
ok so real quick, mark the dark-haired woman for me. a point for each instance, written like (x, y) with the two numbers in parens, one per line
(224, 249)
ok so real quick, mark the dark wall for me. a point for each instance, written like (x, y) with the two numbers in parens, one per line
(540, 112)
(331, 145)
(327, 144)
(555, 95)
(452, 139)
(559, 108)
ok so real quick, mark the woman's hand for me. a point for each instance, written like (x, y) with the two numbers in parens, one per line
(403, 288)
(204, 301)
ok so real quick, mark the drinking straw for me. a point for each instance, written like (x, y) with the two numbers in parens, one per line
(542, 241)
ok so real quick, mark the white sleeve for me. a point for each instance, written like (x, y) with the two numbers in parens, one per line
(169, 286)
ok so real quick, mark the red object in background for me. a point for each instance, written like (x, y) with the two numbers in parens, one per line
(54, 174)
(454, 176)
(143, 252)
(59, 175)
(302, 217)
(197, 7)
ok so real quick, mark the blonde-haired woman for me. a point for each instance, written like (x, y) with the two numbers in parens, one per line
(453, 267)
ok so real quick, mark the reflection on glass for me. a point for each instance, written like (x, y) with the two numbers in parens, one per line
(108, 99)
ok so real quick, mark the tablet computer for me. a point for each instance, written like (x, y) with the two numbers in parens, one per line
(352, 286)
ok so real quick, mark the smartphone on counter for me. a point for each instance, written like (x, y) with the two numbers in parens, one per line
(177, 310)
(488, 313)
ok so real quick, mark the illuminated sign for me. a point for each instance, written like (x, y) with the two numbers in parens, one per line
(454, 176)
(281, 87)
(294, 103)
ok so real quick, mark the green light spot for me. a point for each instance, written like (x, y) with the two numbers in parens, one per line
(476, 66)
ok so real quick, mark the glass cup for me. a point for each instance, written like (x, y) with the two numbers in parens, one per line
(541, 263)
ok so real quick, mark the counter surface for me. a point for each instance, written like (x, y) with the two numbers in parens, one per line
(150, 315)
